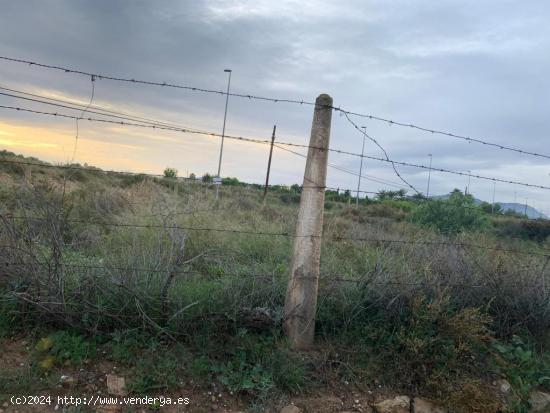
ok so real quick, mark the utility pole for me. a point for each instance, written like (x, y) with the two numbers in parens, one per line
(361, 166)
(429, 176)
(269, 162)
(494, 190)
(218, 180)
(301, 294)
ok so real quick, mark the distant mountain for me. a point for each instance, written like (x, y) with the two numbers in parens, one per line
(514, 206)
(520, 208)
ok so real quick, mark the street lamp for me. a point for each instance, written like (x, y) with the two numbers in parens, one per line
(218, 181)
(429, 176)
(494, 190)
(361, 166)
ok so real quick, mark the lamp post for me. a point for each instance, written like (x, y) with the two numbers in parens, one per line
(429, 176)
(361, 165)
(218, 181)
(494, 190)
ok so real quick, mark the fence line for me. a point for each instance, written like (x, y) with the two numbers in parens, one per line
(107, 172)
(108, 112)
(274, 100)
(283, 234)
(339, 278)
(268, 142)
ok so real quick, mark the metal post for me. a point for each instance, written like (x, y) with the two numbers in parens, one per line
(223, 132)
(301, 295)
(494, 190)
(361, 166)
(269, 162)
(429, 176)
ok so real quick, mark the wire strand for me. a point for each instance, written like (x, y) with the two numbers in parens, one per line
(274, 100)
(268, 142)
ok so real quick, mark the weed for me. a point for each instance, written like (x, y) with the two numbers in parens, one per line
(65, 348)
(160, 368)
(523, 367)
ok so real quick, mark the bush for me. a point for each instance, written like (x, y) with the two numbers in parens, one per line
(451, 216)
(386, 195)
(386, 210)
(536, 230)
(64, 348)
(170, 173)
(231, 182)
(290, 198)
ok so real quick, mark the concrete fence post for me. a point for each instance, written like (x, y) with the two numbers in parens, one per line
(301, 295)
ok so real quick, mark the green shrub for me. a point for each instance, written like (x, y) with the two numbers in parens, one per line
(160, 368)
(386, 210)
(290, 198)
(451, 216)
(65, 348)
(231, 182)
(425, 347)
(170, 173)
(391, 195)
(533, 229)
(523, 368)
(127, 181)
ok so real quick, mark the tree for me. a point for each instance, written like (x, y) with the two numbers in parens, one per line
(489, 208)
(170, 173)
(456, 214)
(207, 178)
(296, 188)
(384, 195)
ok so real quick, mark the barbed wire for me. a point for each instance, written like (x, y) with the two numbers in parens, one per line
(101, 109)
(330, 165)
(438, 132)
(179, 179)
(286, 234)
(329, 278)
(86, 108)
(274, 100)
(102, 112)
(268, 142)
(287, 189)
(364, 133)
(175, 128)
(153, 83)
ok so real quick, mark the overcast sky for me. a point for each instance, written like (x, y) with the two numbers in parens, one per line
(476, 68)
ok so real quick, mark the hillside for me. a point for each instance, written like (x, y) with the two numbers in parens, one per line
(521, 209)
(150, 279)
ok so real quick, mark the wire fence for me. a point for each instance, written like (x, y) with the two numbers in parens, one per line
(157, 252)
(268, 142)
(271, 99)
(121, 118)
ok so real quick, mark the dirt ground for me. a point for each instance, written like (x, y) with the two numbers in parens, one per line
(90, 381)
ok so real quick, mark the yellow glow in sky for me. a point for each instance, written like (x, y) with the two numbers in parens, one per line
(136, 150)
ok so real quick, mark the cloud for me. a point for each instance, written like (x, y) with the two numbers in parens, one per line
(474, 68)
